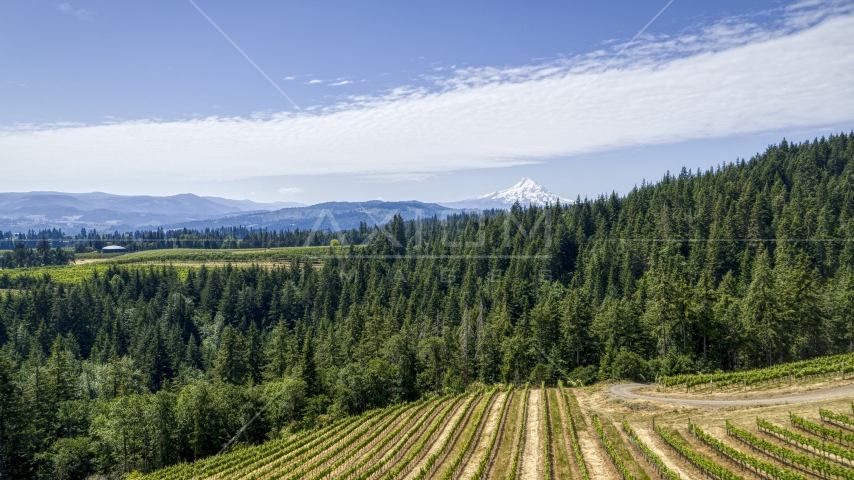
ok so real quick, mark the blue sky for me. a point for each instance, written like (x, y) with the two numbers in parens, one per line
(434, 101)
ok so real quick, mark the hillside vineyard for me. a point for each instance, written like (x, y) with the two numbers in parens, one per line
(536, 433)
(133, 368)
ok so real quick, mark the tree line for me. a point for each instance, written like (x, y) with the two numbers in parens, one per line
(744, 265)
(43, 255)
(209, 238)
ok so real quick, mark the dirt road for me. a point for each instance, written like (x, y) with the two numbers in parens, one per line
(626, 390)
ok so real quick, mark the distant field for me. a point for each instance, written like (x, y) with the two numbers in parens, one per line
(226, 255)
(96, 255)
(73, 273)
(181, 258)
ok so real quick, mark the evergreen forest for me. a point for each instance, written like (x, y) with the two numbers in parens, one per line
(87, 241)
(745, 265)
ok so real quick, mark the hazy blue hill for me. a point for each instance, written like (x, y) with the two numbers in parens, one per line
(21, 211)
(249, 205)
(328, 216)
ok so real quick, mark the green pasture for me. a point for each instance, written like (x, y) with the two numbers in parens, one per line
(242, 255)
(180, 257)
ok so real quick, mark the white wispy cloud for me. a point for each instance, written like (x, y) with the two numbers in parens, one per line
(736, 76)
(80, 13)
(289, 191)
(289, 78)
(395, 177)
(342, 82)
(315, 81)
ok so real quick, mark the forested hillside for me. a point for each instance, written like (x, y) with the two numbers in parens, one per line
(746, 265)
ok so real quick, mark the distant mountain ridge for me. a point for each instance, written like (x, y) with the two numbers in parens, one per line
(347, 215)
(249, 205)
(328, 216)
(526, 192)
(21, 211)
(107, 212)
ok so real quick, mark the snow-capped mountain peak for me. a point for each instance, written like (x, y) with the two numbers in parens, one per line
(526, 192)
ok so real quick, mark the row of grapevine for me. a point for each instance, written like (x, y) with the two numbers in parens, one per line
(576, 447)
(219, 463)
(790, 457)
(424, 440)
(245, 469)
(839, 419)
(520, 437)
(431, 460)
(349, 454)
(301, 458)
(386, 444)
(763, 468)
(378, 440)
(701, 462)
(842, 364)
(547, 434)
(803, 442)
(487, 455)
(236, 460)
(402, 443)
(612, 452)
(256, 461)
(651, 456)
(451, 470)
(246, 458)
(838, 436)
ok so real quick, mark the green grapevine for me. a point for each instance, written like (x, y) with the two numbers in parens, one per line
(654, 459)
(431, 460)
(365, 442)
(806, 368)
(547, 434)
(484, 462)
(612, 452)
(314, 449)
(389, 456)
(576, 448)
(838, 436)
(520, 436)
(700, 461)
(419, 447)
(804, 442)
(838, 418)
(765, 468)
(452, 468)
(789, 457)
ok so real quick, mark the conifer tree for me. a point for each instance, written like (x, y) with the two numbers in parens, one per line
(308, 369)
(231, 362)
(760, 309)
(277, 353)
(255, 353)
